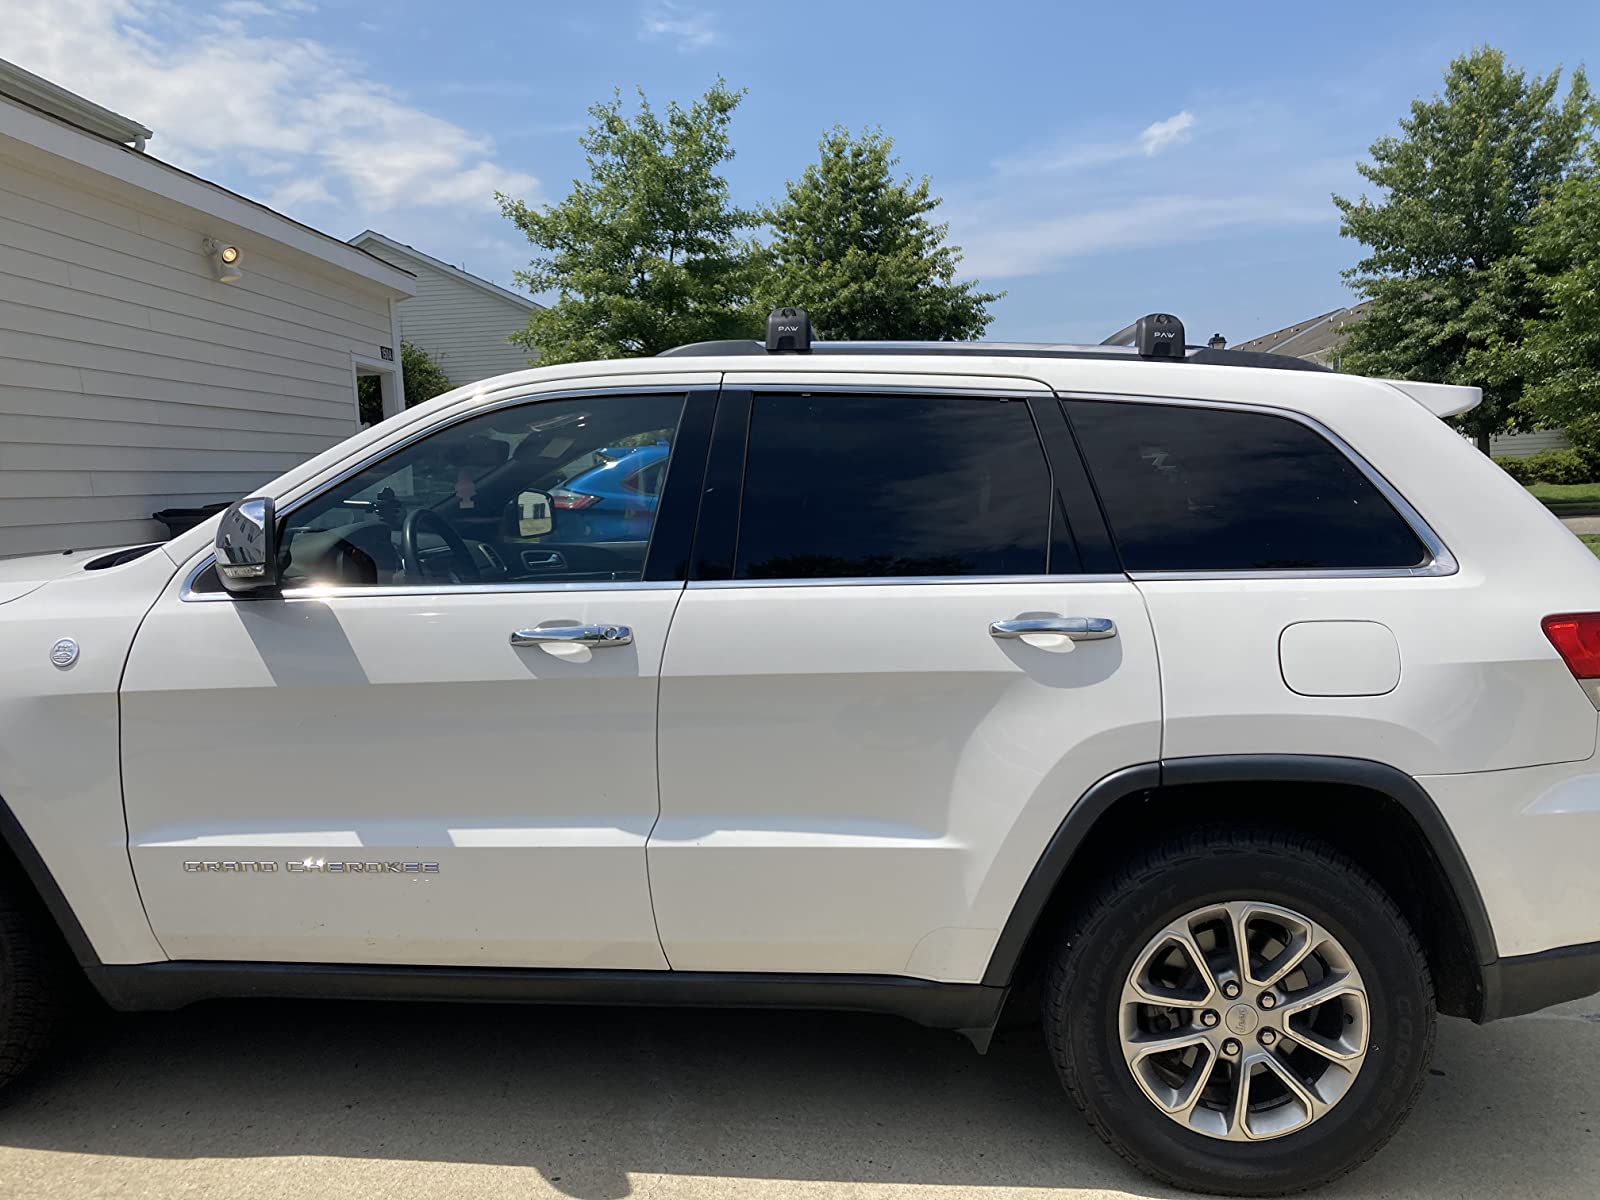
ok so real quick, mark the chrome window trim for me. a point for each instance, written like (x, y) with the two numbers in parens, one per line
(898, 581)
(976, 392)
(187, 593)
(1441, 561)
(1431, 570)
(334, 592)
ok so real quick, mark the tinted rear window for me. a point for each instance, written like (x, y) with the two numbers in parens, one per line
(848, 486)
(1207, 489)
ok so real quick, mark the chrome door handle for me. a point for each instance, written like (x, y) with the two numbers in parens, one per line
(1079, 629)
(596, 636)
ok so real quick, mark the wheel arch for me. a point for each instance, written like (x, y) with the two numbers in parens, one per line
(21, 861)
(1442, 900)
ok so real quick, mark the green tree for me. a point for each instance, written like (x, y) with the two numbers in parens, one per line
(1450, 289)
(424, 379)
(649, 252)
(854, 247)
(1561, 352)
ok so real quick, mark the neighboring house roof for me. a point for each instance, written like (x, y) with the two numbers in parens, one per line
(57, 122)
(1316, 338)
(374, 242)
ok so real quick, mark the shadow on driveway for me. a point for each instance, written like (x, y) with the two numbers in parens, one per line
(590, 1097)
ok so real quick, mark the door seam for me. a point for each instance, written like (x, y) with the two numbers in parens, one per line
(649, 883)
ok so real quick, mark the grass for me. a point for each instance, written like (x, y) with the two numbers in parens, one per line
(1566, 493)
(1591, 540)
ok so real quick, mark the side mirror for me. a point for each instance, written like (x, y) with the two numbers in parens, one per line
(536, 515)
(247, 548)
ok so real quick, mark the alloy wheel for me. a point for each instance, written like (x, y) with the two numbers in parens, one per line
(1244, 1021)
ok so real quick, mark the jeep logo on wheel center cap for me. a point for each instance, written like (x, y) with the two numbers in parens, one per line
(1242, 1019)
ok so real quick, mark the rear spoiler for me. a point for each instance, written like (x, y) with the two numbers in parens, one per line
(1441, 399)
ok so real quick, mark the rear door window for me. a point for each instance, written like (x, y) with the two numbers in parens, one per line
(1190, 488)
(893, 485)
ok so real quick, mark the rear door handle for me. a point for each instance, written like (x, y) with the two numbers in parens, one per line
(596, 636)
(1079, 629)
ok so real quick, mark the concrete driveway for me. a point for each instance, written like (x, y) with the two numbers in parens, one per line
(328, 1101)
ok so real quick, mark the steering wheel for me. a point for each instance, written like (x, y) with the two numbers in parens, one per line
(464, 570)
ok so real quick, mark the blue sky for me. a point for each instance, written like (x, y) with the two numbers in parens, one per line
(1097, 161)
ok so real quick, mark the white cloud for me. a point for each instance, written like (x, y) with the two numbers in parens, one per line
(1156, 137)
(689, 28)
(235, 94)
(1162, 134)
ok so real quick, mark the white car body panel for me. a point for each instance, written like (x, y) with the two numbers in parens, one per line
(1509, 703)
(1529, 836)
(397, 728)
(1441, 399)
(28, 573)
(860, 778)
(59, 773)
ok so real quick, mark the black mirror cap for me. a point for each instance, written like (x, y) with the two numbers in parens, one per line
(247, 547)
(788, 331)
(1159, 335)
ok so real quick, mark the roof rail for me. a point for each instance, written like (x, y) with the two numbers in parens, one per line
(1203, 355)
(1156, 337)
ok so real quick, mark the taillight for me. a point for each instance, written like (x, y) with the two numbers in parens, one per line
(566, 498)
(1576, 637)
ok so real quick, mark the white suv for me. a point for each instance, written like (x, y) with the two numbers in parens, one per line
(1244, 717)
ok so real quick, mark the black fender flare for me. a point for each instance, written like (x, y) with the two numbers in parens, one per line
(1241, 768)
(19, 847)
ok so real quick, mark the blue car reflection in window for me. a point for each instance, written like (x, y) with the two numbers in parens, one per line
(616, 500)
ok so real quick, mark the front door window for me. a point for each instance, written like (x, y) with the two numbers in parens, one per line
(559, 490)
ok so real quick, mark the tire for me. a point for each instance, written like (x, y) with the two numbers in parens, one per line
(32, 985)
(1089, 1018)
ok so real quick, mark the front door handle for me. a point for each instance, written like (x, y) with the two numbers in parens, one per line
(1079, 629)
(597, 637)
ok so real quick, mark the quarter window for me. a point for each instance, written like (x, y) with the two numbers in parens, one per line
(847, 486)
(1209, 489)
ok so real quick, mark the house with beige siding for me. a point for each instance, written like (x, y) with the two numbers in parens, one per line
(463, 322)
(139, 369)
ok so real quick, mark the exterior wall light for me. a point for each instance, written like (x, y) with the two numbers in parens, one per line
(224, 261)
